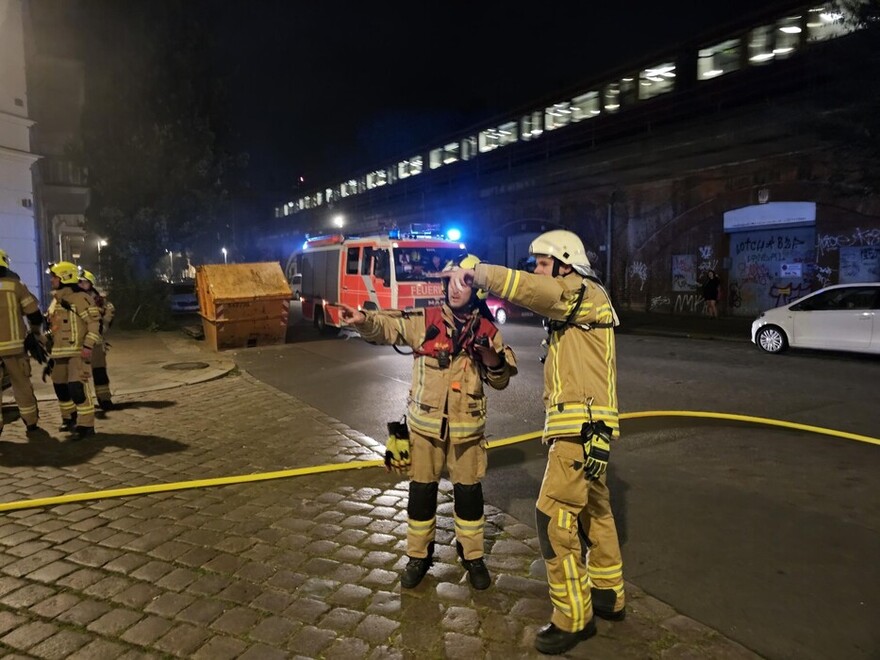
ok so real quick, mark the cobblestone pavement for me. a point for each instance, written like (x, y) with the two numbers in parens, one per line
(300, 567)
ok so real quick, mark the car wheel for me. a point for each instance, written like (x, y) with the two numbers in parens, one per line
(771, 339)
(500, 316)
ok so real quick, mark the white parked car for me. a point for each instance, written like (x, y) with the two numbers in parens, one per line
(844, 317)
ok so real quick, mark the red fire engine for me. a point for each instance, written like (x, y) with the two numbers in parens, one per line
(371, 272)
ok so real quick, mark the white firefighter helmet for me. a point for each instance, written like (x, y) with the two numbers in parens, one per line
(565, 246)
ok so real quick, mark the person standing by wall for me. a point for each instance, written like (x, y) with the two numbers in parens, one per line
(711, 289)
(100, 379)
(457, 348)
(17, 301)
(580, 399)
(74, 322)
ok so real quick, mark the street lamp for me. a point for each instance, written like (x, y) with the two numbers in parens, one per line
(339, 220)
(223, 250)
(101, 244)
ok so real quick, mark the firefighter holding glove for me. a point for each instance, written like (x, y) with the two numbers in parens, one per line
(456, 349)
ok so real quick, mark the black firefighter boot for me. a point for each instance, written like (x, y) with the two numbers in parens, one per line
(68, 425)
(82, 432)
(553, 641)
(603, 605)
(416, 568)
(478, 574)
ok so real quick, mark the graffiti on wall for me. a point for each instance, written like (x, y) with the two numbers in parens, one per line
(707, 260)
(823, 275)
(638, 270)
(859, 237)
(784, 294)
(753, 273)
(859, 264)
(684, 272)
(688, 302)
(660, 302)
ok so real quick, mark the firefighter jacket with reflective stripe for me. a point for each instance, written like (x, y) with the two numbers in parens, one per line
(15, 301)
(74, 321)
(581, 362)
(105, 307)
(446, 395)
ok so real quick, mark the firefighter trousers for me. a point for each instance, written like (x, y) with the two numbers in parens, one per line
(466, 463)
(69, 378)
(19, 369)
(99, 372)
(574, 521)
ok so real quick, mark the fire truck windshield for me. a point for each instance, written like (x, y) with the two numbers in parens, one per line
(418, 263)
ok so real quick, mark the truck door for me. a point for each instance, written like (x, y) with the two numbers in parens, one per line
(353, 290)
(378, 277)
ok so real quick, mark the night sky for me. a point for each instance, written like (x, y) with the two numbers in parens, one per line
(325, 89)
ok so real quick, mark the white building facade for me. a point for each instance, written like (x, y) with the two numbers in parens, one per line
(18, 232)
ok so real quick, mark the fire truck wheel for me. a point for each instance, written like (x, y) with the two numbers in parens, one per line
(321, 323)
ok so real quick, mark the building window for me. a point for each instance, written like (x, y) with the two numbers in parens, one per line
(719, 59)
(788, 36)
(436, 158)
(557, 115)
(761, 45)
(657, 80)
(410, 167)
(826, 22)
(585, 106)
(329, 195)
(488, 140)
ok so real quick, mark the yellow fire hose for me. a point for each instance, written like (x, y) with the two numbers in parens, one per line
(357, 465)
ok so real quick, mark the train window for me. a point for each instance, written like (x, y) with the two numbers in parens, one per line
(469, 147)
(507, 133)
(657, 80)
(826, 22)
(761, 44)
(611, 97)
(718, 59)
(530, 125)
(450, 152)
(377, 178)
(788, 36)
(585, 106)
(557, 115)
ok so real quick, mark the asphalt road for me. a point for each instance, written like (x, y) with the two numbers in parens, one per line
(771, 536)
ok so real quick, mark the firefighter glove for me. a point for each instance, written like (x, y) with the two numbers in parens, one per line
(86, 354)
(597, 447)
(397, 455)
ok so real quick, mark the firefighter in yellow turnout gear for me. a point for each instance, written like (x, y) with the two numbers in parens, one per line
(573, 511)
(456, 349)
(100, 379)
(17, 301)
(74, 322)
